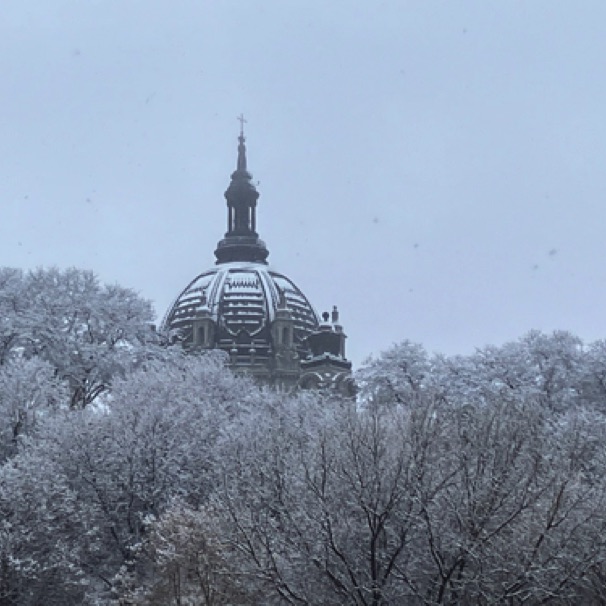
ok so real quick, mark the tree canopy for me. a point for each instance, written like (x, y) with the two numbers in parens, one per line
(87, 331)
(135, 474)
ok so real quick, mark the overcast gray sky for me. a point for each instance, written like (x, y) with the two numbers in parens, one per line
(436, 169)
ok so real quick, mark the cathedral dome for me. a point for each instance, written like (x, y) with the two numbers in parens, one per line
(242, 299)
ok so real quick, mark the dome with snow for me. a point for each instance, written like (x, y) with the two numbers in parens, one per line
(243, 301)
(258, 316)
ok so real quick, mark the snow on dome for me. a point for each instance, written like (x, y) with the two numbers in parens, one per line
(241, 298)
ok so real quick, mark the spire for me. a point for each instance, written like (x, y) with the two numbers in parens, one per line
(241, 241)
(241, 166)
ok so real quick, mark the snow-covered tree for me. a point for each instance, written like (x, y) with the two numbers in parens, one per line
(515, 518)
(15, 312)
(401, 374)
(87, 331)
(29, 392)
(187, 561)
(474, 479)
(41, 535)
(549, 368)
(543, 367)
(152, 440)
(318, 500)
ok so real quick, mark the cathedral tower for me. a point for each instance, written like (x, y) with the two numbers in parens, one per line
(258, 316)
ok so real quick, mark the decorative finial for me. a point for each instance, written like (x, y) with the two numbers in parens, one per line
(242, 121)
(335, 314)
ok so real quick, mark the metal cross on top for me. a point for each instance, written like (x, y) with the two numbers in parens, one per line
(242, 123)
